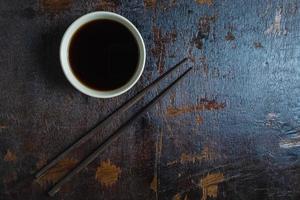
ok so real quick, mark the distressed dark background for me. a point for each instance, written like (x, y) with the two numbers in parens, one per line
(229, 131)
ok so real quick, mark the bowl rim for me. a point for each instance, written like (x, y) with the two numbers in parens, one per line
(64, 54)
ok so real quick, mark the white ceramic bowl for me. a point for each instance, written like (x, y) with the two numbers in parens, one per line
(64, 54)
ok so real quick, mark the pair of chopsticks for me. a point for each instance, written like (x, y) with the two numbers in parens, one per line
(110, 139)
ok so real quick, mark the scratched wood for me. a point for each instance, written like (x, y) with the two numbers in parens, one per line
(228, 131)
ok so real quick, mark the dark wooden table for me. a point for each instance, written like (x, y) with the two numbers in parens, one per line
(231, 130)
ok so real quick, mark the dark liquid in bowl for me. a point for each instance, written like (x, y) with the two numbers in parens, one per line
(103, 54)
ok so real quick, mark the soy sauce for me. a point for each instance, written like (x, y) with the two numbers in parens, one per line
(103, 54)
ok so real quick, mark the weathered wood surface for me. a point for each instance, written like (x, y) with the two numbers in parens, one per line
(231, 130)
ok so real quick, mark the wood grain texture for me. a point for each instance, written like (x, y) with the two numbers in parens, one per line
(229, 131)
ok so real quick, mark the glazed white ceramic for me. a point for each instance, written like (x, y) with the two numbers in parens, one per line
(64, 54)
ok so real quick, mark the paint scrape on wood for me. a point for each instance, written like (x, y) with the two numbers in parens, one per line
(204, 28)
(57, 172)
(203, 105)
(3, 126)
(205, 2)
(204, 66)
(209, 185)
(199, 119)
(205, 155)
(158, 150)
(257, 45)
(276, 27)
(107, 173)
(291, 141)
(150, 3)
(55, 5)
(10, 156)
(109, 5)
(176, 197)
(153, 184)
(161, 40)
(272, 120)
(229, 36)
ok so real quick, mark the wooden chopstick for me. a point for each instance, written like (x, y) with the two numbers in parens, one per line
(90, 133)
(112, 138)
